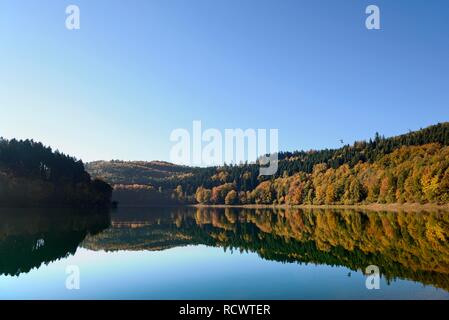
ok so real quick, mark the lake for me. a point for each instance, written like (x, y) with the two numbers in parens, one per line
(222, 253)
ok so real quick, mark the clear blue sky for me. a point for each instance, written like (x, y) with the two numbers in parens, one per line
(139, 69)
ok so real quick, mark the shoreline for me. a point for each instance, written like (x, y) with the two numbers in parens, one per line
(395, 207)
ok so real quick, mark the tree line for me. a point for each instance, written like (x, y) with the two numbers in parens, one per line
(246, 177)
(407, 168)
(418, 174)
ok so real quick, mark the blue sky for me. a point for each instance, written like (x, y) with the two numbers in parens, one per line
(136, 70)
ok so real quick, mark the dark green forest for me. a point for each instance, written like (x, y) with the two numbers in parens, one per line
(32, 174)
(413, 167)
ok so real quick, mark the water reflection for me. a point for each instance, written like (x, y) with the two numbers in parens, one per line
(32, 237)
(404, 245)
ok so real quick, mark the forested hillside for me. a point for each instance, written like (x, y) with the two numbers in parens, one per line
(412, 167)
(33, 175)
(137, 172)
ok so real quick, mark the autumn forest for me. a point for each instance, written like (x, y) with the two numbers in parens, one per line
(411, 168)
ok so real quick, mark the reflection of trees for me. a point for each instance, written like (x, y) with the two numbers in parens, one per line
(405, 245)
(30, 237)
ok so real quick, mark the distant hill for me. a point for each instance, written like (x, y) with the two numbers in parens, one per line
(161, 182)
(136, 172)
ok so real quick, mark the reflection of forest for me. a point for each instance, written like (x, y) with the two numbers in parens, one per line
(405, 245)
(30, 237)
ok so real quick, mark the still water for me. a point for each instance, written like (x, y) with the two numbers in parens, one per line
(189, 253)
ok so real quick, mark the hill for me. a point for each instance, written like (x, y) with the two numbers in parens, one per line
(33, 175)
(352, 174)
(136, 172)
